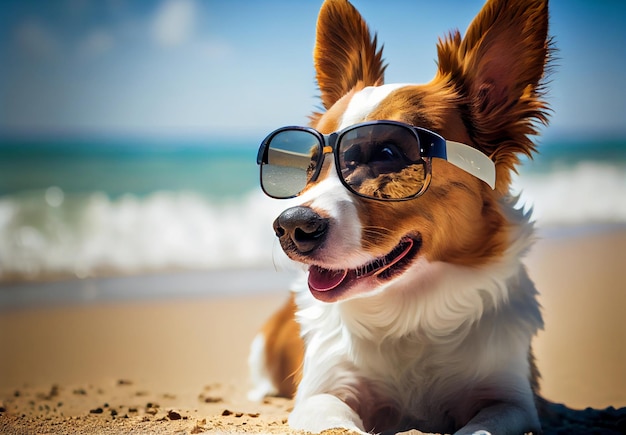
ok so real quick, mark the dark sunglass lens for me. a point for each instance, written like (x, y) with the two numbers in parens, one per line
(290, 163)
(382, 161)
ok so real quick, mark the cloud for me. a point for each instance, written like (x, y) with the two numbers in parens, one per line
(35, 39)
(174, 22)
(96, 43)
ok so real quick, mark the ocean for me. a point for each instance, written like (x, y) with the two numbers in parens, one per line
(93, 207)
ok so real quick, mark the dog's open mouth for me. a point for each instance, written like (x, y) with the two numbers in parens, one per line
(329, 285)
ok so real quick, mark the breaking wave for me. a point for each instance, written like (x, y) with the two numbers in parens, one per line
(51, 232)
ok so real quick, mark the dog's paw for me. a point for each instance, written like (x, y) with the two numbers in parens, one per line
(260, 391)
(262, 384)
(325, 411)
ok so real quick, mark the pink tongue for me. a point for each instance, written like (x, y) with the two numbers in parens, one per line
(322, 280)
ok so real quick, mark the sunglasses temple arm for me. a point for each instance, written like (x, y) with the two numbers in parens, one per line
(472, 161)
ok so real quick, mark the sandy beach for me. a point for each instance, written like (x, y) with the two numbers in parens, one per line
(121, 361)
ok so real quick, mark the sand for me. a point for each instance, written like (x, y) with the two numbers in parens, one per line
(173, 364)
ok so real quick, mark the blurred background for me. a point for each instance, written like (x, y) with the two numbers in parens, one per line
(129, 130)
(128, 139)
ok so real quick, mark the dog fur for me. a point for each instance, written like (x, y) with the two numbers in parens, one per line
(445, 345)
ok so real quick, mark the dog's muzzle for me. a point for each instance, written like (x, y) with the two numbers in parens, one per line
(301, 229)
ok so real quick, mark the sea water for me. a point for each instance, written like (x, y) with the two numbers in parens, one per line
(109, 206)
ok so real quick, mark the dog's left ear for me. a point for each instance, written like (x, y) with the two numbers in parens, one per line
(345, 56)
(498, 68)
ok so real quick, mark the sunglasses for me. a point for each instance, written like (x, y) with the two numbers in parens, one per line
(382, 160)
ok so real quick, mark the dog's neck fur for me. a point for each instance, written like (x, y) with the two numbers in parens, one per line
(425, 320)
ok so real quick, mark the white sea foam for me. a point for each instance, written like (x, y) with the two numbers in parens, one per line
(582, 194)
(52, 231)
(49, 232)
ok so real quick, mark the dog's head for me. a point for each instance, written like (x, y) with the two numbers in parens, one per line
(486, 94)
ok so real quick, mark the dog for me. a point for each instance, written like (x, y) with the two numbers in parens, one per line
(415, 309)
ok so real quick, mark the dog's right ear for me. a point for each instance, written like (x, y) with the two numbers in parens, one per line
(345, 55)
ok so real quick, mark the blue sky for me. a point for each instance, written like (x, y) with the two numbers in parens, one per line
(242, 68)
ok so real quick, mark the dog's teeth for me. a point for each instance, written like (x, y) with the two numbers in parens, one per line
(368, 268)
(360, 271)
(379, 266)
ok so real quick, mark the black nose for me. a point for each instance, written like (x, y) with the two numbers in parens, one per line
(303, 227)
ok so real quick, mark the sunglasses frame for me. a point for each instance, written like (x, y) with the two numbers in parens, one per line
(431, 145)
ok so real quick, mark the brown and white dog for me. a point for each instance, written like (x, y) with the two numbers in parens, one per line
(416, 313)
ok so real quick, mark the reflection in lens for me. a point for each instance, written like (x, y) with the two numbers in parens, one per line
(382, 161)
(395, 185)
(291, 157)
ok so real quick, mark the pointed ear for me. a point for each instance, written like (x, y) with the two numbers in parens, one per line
(345, 54)
(498, 68)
